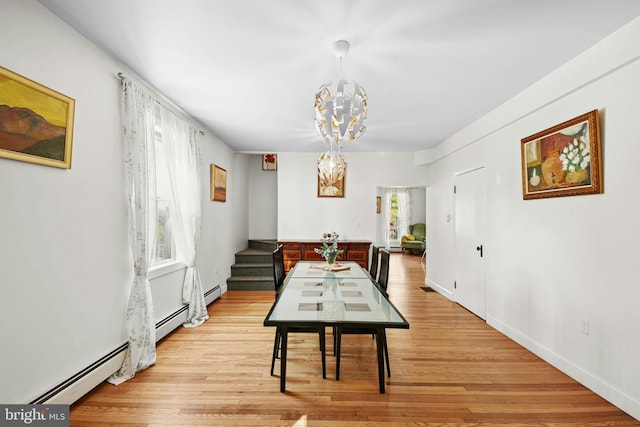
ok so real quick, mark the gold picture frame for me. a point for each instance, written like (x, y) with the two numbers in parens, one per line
(36, 123)
(327, 188)
(564, 160)
(218, 183)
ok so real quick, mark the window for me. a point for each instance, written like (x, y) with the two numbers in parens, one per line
(393, 217)
(397, 224)
(165, 248)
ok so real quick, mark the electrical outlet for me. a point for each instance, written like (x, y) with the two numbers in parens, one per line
(584, 326)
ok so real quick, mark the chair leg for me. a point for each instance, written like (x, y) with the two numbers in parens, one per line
(276, 348)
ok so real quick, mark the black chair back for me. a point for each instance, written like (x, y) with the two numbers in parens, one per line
(383, 277)
(278, 267)
(373, 268)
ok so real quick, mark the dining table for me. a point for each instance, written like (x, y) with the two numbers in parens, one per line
(315, 294)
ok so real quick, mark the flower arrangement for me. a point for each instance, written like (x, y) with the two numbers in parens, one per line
(329, 249)
(575, 156)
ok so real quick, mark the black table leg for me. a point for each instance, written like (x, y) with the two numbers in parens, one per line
(284, 335)
(380, 346)
(323, 345)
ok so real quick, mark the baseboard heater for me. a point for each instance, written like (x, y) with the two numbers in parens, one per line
(87, 379)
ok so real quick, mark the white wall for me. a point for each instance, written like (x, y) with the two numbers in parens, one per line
(65, 268)
(304, 215)
(551, 263)
(262, 199)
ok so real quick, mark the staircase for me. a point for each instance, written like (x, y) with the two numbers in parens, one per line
(253, 269)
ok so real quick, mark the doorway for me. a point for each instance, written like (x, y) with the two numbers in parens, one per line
(399, 208)
(470, 220)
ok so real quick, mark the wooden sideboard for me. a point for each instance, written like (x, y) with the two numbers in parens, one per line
(298, 250)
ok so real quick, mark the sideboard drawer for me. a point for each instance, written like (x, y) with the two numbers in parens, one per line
(292, 255)
(356, 256)
(295, 251)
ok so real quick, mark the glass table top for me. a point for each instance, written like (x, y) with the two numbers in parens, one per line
(334, 300)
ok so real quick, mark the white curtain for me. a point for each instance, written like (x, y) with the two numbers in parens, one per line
(183, 164)
(137, 118)
(386, 217)
(404, 210)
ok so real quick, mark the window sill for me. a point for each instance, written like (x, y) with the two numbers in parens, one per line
(165, 268)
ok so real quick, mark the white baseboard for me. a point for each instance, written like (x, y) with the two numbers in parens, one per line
(433, 285)
(86, 380)
(598, 385)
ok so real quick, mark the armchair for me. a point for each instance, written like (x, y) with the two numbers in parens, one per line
(414, 241)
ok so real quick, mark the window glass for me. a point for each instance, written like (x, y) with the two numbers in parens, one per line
(164, 250)
(393, 218)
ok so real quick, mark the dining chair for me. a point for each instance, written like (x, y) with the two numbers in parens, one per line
(278, 277)
(373, 268)
(338, 331)
(383, 276)
(278, 268)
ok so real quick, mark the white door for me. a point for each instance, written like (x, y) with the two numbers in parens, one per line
(469, 286)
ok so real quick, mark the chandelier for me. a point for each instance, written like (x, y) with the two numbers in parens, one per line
(341, 110)
(341, 114)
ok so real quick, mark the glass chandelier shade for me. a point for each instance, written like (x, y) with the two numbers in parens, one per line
(341, 111)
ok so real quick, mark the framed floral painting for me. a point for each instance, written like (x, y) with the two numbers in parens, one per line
(563, 160)
(36, 123)
(269, 162)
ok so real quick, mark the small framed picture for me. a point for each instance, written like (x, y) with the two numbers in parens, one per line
(269, 162)
(218, 183)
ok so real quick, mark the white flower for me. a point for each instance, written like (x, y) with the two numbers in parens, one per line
(572, 168)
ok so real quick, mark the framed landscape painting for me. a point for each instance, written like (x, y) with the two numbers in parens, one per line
(36, 123)
(218, 183)
(563, 160)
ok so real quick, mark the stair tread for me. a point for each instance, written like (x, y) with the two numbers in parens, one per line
(252, 251)
(251, 278)
(252, 264)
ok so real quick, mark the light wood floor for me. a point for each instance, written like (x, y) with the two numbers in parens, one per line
(448, 369)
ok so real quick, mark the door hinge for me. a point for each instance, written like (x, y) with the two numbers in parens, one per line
(454, 189)
(455, 285)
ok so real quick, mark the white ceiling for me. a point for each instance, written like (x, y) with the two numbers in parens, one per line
(248, 69)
